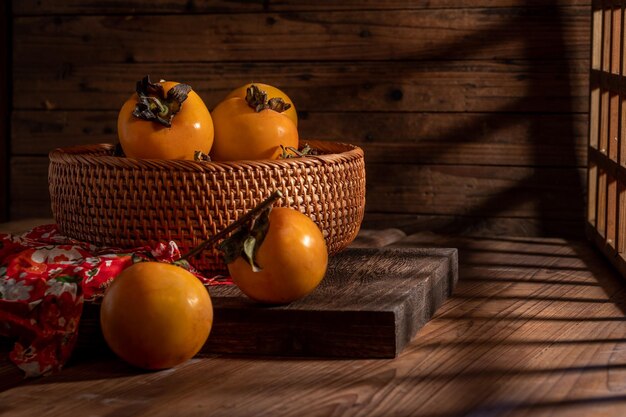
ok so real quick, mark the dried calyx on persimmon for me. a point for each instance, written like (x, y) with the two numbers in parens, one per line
(154, 104)
(258, 100)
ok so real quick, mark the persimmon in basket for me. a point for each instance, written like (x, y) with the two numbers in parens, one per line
(271, 91)
(164, 120)
(252, 128)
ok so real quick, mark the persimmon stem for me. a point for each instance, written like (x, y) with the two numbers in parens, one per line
(258, 100)
(154, 105)
(247, 217)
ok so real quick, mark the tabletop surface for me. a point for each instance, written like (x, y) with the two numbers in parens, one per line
(535, 327)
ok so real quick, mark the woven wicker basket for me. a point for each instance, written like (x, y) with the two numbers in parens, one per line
(124, 202)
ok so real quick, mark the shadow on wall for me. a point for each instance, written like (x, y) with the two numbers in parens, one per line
(556, 187)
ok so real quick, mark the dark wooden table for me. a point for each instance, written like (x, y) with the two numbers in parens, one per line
(535, 327)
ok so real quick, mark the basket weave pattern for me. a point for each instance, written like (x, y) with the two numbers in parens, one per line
(108, 200)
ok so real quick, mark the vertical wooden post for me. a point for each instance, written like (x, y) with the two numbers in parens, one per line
(5, 105)
(604, 114)
(621, 219)
(618, 68)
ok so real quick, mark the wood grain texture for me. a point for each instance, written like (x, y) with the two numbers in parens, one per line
(432, 86)
(474, 225)
(417, 84)
(534, 329)
(370, 304)
(431, 138)
(37, 7)
(29, 188)
(5, 106)
(472, 190)
(320, 36)
(368, 238)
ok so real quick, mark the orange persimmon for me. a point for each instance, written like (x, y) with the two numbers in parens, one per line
(252, 128)
(156, 315)
(284, 260)
(164, 120)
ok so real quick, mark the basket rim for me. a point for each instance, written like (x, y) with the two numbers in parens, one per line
(96, 155)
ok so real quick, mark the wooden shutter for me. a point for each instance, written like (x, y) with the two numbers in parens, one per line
(606, 212)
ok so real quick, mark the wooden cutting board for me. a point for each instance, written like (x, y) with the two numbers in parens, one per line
(369, 305)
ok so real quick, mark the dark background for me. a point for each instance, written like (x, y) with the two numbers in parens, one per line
(472, 113)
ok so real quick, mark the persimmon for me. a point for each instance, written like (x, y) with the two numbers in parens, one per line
(164, 120)
(282, 259)
(271, 91)
(252, 128)
(156, 315)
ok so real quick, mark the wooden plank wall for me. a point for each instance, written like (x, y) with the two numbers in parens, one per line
(5, 103)
(472, 113)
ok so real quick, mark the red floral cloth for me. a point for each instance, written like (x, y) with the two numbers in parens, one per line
(45, 278)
